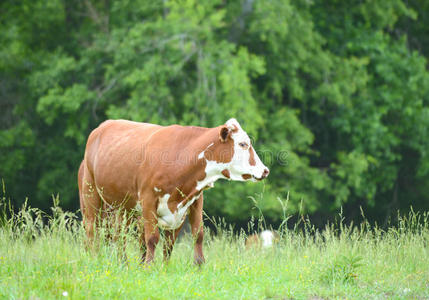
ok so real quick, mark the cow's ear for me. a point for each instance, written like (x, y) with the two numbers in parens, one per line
(224, 133)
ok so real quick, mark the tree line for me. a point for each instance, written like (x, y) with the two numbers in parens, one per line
(335, 95)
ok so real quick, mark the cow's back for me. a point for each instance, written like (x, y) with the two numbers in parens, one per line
(114, 154)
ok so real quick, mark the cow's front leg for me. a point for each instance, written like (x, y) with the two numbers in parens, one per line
(151, 233)
(196, 221)
(170, 239)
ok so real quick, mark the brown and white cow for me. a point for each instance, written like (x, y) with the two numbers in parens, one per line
(265, 239)
(163, 169)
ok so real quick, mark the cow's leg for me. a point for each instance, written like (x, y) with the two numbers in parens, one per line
(170, 239)
(122, 223)
(196, 221)
(151, 231)
(90, 204)
(142, 241)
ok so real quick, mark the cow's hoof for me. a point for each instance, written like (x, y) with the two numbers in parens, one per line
(199, 261)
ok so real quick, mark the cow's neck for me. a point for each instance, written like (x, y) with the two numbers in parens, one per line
(195, 178)
(213, 169)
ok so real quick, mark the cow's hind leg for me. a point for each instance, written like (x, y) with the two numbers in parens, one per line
(121, 225)
(90, 205)
(170, 239)
(151, 231)
(142, 242)
(196, 221)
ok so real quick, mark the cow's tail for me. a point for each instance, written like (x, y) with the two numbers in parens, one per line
(80, 184)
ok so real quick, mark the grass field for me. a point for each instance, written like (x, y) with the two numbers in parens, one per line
(47, 260)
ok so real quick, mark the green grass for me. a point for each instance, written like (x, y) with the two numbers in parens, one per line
(43, 261)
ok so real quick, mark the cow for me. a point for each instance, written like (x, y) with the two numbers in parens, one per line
(163, 170)
(265, 239)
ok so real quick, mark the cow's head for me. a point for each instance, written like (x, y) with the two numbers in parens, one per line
(232, 155)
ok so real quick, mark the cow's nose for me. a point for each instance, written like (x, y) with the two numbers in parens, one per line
(266, 172)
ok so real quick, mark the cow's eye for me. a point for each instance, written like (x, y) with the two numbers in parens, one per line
(243, 145)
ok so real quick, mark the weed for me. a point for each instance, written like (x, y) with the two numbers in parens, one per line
(343, 269)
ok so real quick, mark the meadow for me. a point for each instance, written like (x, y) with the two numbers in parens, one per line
(42, 256)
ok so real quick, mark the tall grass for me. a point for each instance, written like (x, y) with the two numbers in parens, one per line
(43, 257)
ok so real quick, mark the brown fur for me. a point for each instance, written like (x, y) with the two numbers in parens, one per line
(252, 161)
(253, 241)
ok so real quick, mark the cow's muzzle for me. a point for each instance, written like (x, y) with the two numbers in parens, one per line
(264, 174)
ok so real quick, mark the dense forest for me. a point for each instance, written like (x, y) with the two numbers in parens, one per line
(335, 95)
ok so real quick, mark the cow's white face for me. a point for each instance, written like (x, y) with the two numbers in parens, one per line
(231, 157)
(245, 163)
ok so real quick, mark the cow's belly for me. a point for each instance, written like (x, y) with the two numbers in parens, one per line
(116, 196)
(115, 184)
(169, 220)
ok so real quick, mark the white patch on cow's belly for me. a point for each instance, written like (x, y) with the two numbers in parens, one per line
(168, 220)
(156, 189)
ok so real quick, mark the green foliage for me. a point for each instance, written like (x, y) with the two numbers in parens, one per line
(334, 94)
